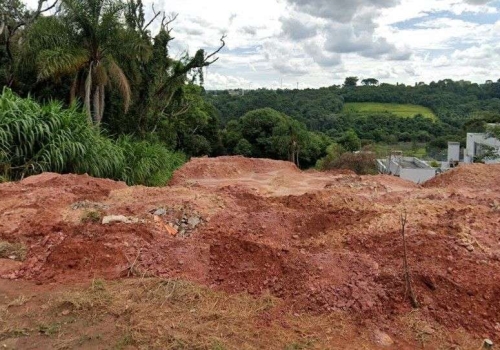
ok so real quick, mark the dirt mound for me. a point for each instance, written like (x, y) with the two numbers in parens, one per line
(229, 167)
(320, 242)
(469, 176)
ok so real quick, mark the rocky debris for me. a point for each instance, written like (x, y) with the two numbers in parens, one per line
(160, 212)
(119, 218)
(181, 221)
(165, 226)
(89, 205)
(187, 224)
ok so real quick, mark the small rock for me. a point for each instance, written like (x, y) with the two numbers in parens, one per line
(382, 338)
(193, 221)
(65, 312)
(160, 212)
(470, 248)
(295, 236)
(488, 344)
(118, 218)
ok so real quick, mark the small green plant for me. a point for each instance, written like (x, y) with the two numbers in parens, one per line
(434, 164)
(298, 345)
(93, 216)
(49, 329)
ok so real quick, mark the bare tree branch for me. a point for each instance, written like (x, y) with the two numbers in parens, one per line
(216, 51)
(155, 16)
(408, 281)
(166, 21)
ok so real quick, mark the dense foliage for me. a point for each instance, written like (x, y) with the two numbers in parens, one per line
(266, 133)
(103, 94)
(459, 106)
(100, 57)
(36, 138)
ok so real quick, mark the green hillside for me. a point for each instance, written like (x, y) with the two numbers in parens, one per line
(401, 110)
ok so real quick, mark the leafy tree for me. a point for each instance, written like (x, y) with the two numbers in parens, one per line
(243, 148)
(351, 82)
(86, 41)
(369, 82)
(15, 19)
(350, 141)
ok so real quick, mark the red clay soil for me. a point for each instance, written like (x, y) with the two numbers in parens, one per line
(320, 241)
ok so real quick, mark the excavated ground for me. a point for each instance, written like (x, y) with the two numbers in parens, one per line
(320, 242)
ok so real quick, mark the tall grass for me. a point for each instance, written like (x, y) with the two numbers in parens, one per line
(35, 138)
(148, 163)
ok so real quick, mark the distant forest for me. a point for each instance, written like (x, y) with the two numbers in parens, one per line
(459, 105)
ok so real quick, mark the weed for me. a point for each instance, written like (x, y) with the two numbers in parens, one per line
(86, 338)
(14, 251)
(15, 333)
(19, 301)
(298, 346)
(92, 216)
(124, 341)
(49, 329)
(217, 345)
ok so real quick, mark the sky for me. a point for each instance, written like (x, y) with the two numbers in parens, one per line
(314, 43)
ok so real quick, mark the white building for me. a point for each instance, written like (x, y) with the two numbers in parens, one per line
(408, 168)
(478, 144)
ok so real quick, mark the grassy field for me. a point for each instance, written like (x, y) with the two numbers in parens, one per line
(401, 110)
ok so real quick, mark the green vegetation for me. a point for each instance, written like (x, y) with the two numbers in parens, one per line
(400, 110)
(337, 157)
(267, 133)
(36, 138)
(91, 88)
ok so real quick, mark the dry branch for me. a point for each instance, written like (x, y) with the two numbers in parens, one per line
(407, 273)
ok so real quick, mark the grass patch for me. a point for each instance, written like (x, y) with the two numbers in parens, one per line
(152, 313)
(400, 110)
(93, 216)
(14, 251)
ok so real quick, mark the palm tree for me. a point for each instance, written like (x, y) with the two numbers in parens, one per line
(86, 39)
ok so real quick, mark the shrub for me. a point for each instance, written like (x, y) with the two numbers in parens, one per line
(148, 163)
(36, 138)
(362, 163)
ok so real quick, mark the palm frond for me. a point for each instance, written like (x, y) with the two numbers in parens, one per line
(59, 62)
(116, 74)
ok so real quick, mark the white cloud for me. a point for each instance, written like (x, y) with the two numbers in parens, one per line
(274, 43)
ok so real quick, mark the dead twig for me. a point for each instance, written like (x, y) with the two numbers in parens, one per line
(407, 274)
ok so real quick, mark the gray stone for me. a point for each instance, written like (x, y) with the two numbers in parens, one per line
(193, 221)
(118, 218)
(160, 212)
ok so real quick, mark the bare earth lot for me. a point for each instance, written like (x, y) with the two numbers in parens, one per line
(250, 254)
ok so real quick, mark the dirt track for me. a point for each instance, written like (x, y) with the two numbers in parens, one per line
(322, 242)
